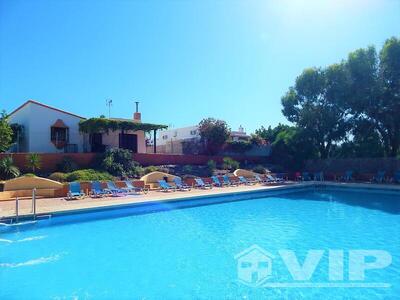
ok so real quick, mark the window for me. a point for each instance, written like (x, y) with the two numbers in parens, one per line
(193, 132)
(165, 137)
(59, 134)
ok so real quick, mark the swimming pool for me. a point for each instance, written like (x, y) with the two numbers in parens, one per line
(193, 252)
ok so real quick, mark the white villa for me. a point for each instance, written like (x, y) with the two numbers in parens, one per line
(47, 129)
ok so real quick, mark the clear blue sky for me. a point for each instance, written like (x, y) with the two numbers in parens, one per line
(183, 60)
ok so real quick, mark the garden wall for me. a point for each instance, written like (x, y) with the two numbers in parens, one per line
(358, 165)
(85, 160)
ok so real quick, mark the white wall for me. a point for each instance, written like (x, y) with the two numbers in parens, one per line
(176, 134)
(37, 121)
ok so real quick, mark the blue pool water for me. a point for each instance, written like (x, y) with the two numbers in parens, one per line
(190, 252)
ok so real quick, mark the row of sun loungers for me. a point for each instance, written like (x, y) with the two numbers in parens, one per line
(216, 182)
(112, 190)
(97, 191)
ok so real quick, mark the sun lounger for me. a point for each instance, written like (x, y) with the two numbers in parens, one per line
(165, 187)
(272, 179)
(348, 176)
(75, 191)
(227, 181)
(180, 185)
(244, 181)
(114, 190)
(134, 189)
(259, 179)
(97, 190)
(217, 182)
(379, 177)
(199, 183)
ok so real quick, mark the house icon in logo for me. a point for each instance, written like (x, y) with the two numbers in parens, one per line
(254, 265)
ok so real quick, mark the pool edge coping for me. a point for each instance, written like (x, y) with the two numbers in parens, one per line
(266, 189)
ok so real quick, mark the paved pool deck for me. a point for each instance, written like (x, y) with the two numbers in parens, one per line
(54, 205)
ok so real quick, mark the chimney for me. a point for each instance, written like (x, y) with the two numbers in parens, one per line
(137, 115)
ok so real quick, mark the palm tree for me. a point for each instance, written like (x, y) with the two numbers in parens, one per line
(33, 161)
(7, 168)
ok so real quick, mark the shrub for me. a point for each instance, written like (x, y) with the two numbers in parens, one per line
(33, 162)
(7, 168)
(163, 169)
(138, 171)
(150, 169)
(88, 175)
(230, 164)
(29, 175)
(239, 146)
(58, 176)
(259, 169)
(211, 166)
(67, 165)
(187, 169)
(119, 162)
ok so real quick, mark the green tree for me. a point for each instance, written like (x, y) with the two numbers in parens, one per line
(6, 132)
(292, 147)
(214, 134)
(375, 91)
(270, 133)
(315, 104)
(389, 76)
(33, 162)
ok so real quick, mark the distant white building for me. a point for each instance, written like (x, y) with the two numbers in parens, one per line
(192, 132)
(178, 134)
(239, 135)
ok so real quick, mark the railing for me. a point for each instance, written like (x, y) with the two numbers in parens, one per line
(34, 203)
(16, 209)
(71, 148)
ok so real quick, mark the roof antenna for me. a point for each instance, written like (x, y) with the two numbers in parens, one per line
(109, 104)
